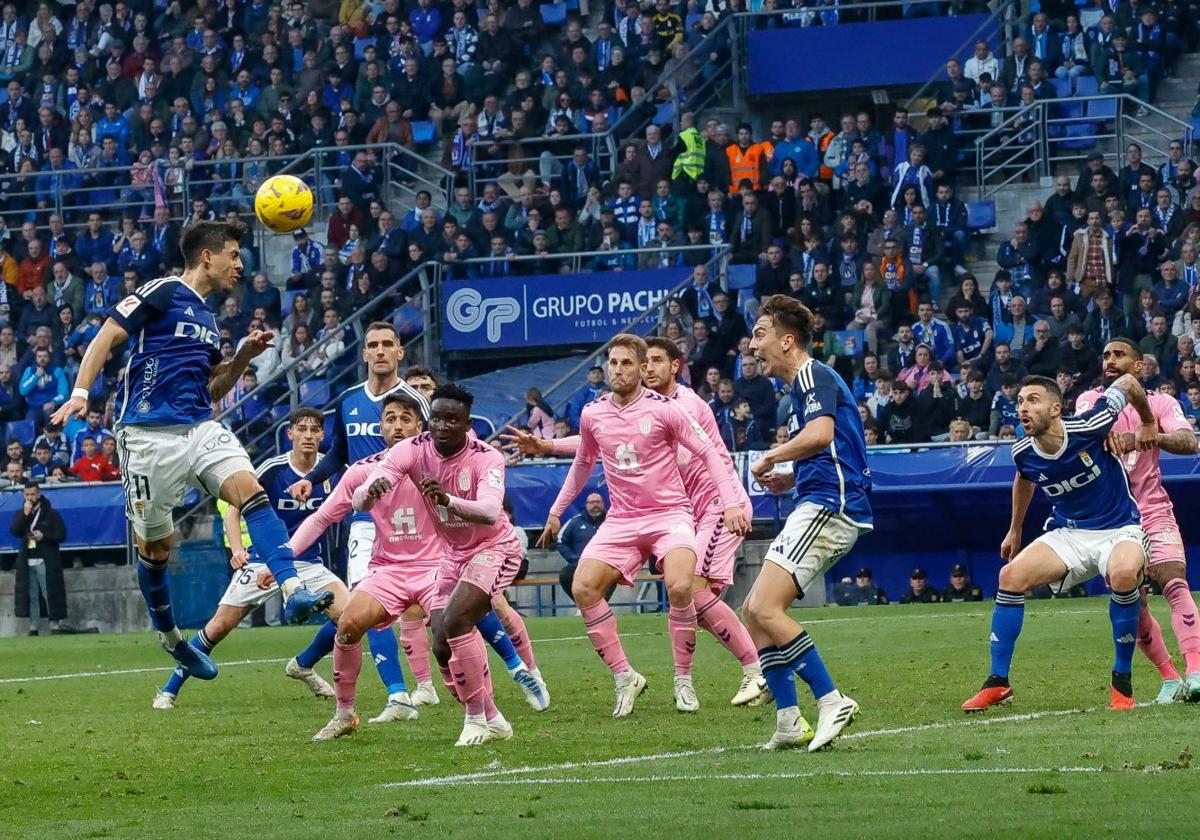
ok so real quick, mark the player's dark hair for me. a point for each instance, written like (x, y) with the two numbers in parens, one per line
(421, 370)
(382, 325)
(1045, 383)
(307, 413)
(667, 346)
(209, 236)
(1134, 350)
(404, 401)
(789, 315)
(450, 391)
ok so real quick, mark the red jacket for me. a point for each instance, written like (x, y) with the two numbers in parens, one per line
(95, 468)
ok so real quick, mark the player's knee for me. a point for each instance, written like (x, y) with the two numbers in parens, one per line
(586, 592)
(1124, 576)
(679, 591)
(1011, 579)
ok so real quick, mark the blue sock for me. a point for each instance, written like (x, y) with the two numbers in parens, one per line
(270, 537)
(779, 676)
(803, 658)
(493, 633)
(1123, 611)
(386, 653)
(178, 678)
(319, 647)
(152, 580)
(1007, 618)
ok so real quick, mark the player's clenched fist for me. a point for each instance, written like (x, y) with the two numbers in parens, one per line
(301, 490)
(1010, 546)
(378, 489)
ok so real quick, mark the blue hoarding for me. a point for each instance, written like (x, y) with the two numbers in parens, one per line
(555, 309)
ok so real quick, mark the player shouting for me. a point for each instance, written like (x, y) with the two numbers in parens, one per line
(636, 433)
(461, 480)
(827, 453)
(166, 436)
(716, 547)
(1167, 561)
(1094, 526)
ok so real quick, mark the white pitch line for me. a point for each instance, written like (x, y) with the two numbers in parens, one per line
(165, 667)
(809, 774)
(486, 775)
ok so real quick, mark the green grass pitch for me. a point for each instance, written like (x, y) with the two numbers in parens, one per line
(86, 756)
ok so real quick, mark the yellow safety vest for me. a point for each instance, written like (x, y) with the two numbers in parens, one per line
(222, 509)
(691, 160)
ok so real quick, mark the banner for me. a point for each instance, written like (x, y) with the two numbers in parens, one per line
(793, 59)
(555, 309)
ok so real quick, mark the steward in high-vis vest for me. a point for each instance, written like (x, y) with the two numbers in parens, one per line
(690, 162)
(747, 160)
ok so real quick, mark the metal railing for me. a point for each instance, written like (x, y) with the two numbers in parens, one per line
(1037, 137)
(716, 265)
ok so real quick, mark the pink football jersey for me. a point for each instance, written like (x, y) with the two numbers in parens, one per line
(473, 479)
(1145, 472)
(637, 445)
(697, 480)
(404, 530)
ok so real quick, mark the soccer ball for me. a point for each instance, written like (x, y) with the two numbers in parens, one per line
(283, 203)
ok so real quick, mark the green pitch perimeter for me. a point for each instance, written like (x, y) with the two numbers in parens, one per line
(86, 756)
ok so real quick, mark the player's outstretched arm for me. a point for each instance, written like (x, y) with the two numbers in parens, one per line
(693, 438)
(1022, 495)
(332, 510)
(816, 435)
(389, 472)
(111, 334)
(522, 442)
(225, 375)
(1146, 436)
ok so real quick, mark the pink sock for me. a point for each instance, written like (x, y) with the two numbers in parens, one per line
(1183, 621)
(601, 627)
(681, 624)
(718, 618)
(1150, 642)
(489, 697)
(468, 665)
(347, 662)
(415, 640)
(448, 681)
(514, 626)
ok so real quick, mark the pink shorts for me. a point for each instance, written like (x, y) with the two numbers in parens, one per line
(625, 544)
(716, 547)
(491, 570)
(397, 588)
(1166, 545)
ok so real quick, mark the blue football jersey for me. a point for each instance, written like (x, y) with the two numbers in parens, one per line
(836, 478)
(174, 343)
(356, 435)
(1086, 484)
(276, 475)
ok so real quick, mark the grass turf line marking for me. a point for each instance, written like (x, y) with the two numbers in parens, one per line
(486, 775)
(126, 671)
(807, 774)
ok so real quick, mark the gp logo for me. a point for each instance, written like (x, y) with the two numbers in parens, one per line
(467, 311)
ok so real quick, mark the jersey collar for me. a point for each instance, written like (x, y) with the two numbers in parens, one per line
(1055, 456)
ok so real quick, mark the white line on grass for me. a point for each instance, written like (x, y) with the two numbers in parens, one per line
(125, 671)
(487, 775)
(809, 774)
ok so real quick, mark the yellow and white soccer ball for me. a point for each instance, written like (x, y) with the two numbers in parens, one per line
(283, 203)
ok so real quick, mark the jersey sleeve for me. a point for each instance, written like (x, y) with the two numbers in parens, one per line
(332, 510)
(691, 436)
(581, 468)
(394, 467)
(487, 505)
(565, 447)
(1097, 421)
(1169, 414)
(139, 306)
(817, 394)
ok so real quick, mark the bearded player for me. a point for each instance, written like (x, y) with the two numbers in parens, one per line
(716, 547)
(1167, 564)
(637, 434)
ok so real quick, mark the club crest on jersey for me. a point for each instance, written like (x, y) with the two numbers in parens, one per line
(464, 481)
(1086, 458)
(645, 425)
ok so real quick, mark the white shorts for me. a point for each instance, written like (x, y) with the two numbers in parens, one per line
(812, 540)
(243, 589)
(159, 462)
(358, 554)
(1086, 553)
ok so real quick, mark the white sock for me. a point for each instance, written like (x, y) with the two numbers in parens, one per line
(398, 697)
(754, 669)
(289, 586)
(171, 638)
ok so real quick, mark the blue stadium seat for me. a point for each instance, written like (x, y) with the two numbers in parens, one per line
(423, 131)
(1086, 86)
(360, 46)
(1079, 136)
(1068, 110)
(278, 412)
(484, 428)
(22, 430)
(554, 14)
(314, 392)
(664, 113)
(1102, 109)
(981, 215)
(1062, 88)
(740, 277)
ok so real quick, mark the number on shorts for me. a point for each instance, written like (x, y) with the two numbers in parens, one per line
(245, 576)
(626, 457)
(139, 487)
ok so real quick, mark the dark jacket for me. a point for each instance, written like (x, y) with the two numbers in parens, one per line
(46, 519)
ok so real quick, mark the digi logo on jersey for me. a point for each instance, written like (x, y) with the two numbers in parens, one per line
(186, 329)
(288, 503)
(357, 429)
(1084, 478)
